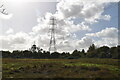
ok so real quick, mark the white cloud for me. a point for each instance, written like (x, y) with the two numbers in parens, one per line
(108, 32)
(13, 41)
(106, 17)
(72, 44)
(65, 45)
(107, 42)
(3, 16)
(19, 38)
(108, 37)
(63, 28)
(85, 42)
(10, 31)
(90, 11)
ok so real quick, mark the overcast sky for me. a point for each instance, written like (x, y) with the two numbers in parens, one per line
(79, 24)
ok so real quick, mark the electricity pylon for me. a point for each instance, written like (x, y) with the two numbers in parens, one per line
(52, 45)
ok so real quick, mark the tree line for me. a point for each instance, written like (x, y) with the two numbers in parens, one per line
(92, 52)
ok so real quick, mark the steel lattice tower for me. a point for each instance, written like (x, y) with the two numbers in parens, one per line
(52, 45)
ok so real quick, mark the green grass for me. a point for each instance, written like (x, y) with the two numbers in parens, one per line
(61, 68)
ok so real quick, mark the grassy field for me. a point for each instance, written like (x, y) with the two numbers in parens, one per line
(60, 68)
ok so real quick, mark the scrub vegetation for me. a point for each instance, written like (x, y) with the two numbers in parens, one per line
(61, 68)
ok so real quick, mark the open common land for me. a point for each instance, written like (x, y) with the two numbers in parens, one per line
(60, 68)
